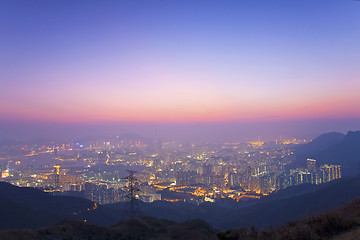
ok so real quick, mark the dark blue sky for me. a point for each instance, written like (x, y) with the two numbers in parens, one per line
(98, 63)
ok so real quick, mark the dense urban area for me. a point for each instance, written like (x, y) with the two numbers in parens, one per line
(96, 169)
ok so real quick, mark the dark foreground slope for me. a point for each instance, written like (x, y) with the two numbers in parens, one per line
(29, 208)
(141, 228)
(342, 223)
(339, 224)
(274, 210)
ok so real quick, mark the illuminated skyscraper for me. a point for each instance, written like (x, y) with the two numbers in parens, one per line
(56, 176)
(330, 172)
(311, 164)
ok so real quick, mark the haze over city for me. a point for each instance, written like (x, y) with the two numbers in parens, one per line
(188, 69)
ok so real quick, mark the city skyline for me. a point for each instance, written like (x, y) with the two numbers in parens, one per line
(158, 63)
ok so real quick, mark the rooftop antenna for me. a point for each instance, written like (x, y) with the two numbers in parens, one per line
(132, 208)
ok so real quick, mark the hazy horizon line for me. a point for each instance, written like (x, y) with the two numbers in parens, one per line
(186, 131)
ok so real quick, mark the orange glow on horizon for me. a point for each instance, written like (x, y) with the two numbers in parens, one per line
(223, 111)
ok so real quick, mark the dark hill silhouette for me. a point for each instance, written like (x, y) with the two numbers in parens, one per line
(286, 205)
(141, 228)
(47, 209)
(339, 224)
(273, 210)
(345, 153)
(293, 191)
(277, 212)
(147, 227)
(15, 215)
(42, 200)
(319, 144)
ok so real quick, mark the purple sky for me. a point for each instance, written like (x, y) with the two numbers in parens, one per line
(181, 67)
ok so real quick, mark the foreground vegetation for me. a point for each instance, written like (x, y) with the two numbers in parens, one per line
(142, 228)
(338, 224)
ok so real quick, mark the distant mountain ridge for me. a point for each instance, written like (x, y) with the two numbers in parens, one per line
(333, 148)
(345, 153)
(316, 146)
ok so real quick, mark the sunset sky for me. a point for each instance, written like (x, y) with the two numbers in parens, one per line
(179, 62)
